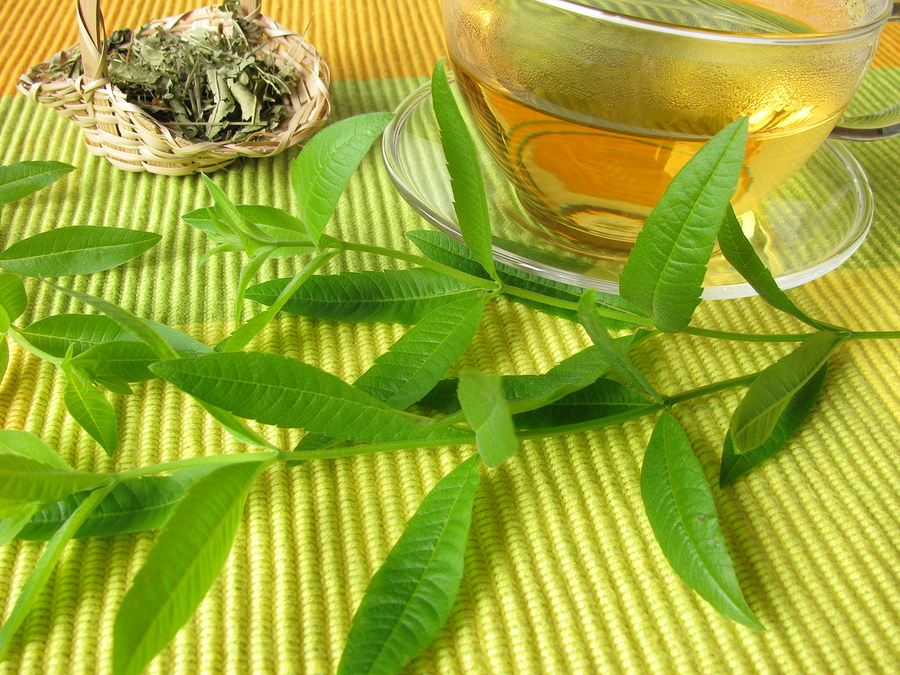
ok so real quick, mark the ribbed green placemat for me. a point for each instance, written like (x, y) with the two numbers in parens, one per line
(562, 573)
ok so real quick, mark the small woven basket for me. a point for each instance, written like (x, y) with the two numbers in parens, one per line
(133, 140)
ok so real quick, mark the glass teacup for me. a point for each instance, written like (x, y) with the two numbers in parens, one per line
(591, 107)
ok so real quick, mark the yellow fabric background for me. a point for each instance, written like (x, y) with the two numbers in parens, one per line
(562, 572)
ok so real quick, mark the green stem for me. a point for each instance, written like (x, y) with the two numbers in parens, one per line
(470, 279)
(877, 335)
(746, 337)
(711, 388)
(211, 460)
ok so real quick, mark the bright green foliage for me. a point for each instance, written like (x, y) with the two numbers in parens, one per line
(410, 597)
(795, 413)
(182, 565)
(616, 358)
(23, 178)
(738, 250)
(29, 445)
(469, 199)
(664, 273)
(758, 413)
(24, 480)
(132, 506)
(75, 249)
(415, 363)
(93, 412)
(322, 170)
(13, 299)
(682, 512)
(289, 393)
(481, 397)
(442, 249)
(42, 571)
(397, 296)
(242, 336)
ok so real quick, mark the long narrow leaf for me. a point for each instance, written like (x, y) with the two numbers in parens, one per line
(29, 445)
(76, 249)
(13, 299)
(411, 595)
(142, 328)
(795, 413)
(323, 168)
(133, 506)
(183, 563)
(758, 412)
(149, 332)
(242, 336)
(289, 393)
(418, 360)
(664, 273)
(23, 178)
(682, 512)
(26, 480)
(594, 325)
(94, 413)
(466, 182)
(38, 579)
(441, 248)
(738, 250)
(481, 397)
(396, 296)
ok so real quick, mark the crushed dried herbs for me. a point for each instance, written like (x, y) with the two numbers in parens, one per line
(209, 83)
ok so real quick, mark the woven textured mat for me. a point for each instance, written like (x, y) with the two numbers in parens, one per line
(562, 573)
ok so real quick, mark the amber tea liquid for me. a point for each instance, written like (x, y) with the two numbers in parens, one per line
(591, 136)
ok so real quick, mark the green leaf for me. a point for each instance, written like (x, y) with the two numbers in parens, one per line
(24, 480)
(527, 392)
(411, 595)
(23, 178)
(55, 334)
(125, 360)
(604, 398)
(242, 336)
(273, 222)
(441, 248)
(469, 199)
(738, 250)
(29, 445)
(143, 329)
(38, 579)
(75, 249)
(396, 296)
(89, 407)
(795, 413)
(594, 325)
(664, 273)
(481, 397)
(4, 355)
(323, 168)
(134, 505)
(757, 414)
(183, 563)
(248, 271)
(289, 393)
(12, 526)
(418, 360)
(231, 222)
(12, 295)
(682, 513)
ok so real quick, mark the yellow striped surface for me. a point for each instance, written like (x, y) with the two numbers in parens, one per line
(562, 574)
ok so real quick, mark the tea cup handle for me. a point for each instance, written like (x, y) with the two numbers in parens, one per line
(882, 124)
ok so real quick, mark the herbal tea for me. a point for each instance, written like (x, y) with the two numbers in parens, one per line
(591, 121)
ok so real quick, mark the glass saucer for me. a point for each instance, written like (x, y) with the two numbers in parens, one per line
(811, 225)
